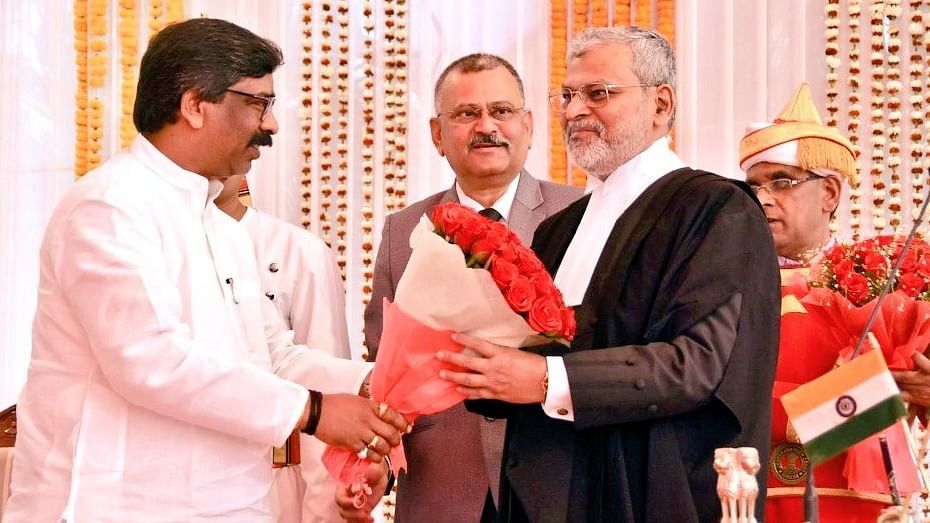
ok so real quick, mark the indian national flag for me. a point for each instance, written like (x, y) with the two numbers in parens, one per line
(844, 406)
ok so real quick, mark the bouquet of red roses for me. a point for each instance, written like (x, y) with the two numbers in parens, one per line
(844, 291)
(847, 282)
(522, 279)
(466, 274)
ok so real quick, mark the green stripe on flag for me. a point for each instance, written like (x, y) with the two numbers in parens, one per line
(855, 429)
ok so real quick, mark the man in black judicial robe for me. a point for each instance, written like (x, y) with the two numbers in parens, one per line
(677, 317)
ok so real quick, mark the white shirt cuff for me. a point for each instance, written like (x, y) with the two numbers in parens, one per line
(558, 402)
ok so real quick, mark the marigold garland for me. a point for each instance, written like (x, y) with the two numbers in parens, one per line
(622, 13)
(81, 98)
(579, 16)
(665, 12)
(96, 79)
(643, 14)
(558, 43)
(128, 51)
(599, 13)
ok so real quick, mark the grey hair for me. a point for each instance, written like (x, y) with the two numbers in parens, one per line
(653, 56)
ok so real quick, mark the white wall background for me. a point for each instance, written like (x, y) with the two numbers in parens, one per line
(739, 61)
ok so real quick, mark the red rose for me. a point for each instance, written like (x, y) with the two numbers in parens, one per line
(545, 316)
(842, 269)
(542, 282)
(909, 263)
(923, 266)
(529, 263)
(506, 252)
(483, 247)
(448, 217)
(469, 230)
(836, 254)
(875, 264)
(503, 272)
(520, 294)
(856, 288)
(568, 324)
(912, 284)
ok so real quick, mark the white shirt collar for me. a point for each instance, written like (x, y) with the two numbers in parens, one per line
(173, 173)
(502, 205)
(609, 200)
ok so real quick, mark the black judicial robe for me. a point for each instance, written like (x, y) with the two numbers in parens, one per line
(641, 447)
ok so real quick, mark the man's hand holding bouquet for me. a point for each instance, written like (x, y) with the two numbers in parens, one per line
(469, 281)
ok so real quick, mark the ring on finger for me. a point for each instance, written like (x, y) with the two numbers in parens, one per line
(373, 442)
(362, 454)
(382, 409)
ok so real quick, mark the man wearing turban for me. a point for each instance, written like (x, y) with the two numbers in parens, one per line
(797, 167)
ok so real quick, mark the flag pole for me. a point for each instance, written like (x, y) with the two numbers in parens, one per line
(811, 514)
(889, 470)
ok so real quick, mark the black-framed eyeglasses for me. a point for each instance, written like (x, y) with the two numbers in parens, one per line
(501, 112)
(781, 185)
(267, 102)
(593, 95)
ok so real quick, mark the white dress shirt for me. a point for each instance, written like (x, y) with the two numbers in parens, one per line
(502, 205)
(609, 200)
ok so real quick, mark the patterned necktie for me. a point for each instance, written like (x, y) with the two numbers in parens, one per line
(491, 214)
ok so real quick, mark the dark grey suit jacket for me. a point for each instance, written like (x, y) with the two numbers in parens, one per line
(453, 457)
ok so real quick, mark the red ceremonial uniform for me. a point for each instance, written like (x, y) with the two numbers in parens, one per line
(806, 351)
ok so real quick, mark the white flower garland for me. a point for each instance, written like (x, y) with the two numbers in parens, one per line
(893, 12)
(915, 143)
(305, 113)
(326, 122)
(854, 111)
(832, 32)
(878, 140)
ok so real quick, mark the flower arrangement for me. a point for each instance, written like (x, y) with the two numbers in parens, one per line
(844, 294)
(465, 274)
(518, 273)
(860, 271)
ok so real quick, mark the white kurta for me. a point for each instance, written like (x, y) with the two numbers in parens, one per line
(300, 276)
(145, 400)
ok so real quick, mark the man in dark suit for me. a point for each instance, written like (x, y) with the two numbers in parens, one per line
(484, 130)
(677, 315)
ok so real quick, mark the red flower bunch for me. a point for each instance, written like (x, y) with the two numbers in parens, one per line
(521, 277)
(860, 271)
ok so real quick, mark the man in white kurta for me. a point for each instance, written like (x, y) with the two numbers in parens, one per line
(150, 394)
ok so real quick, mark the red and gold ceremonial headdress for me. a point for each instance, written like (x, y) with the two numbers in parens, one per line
(798, 137)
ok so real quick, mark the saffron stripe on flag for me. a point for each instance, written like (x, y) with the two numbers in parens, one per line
(833, 384)
(860, 426)
(858, 398)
